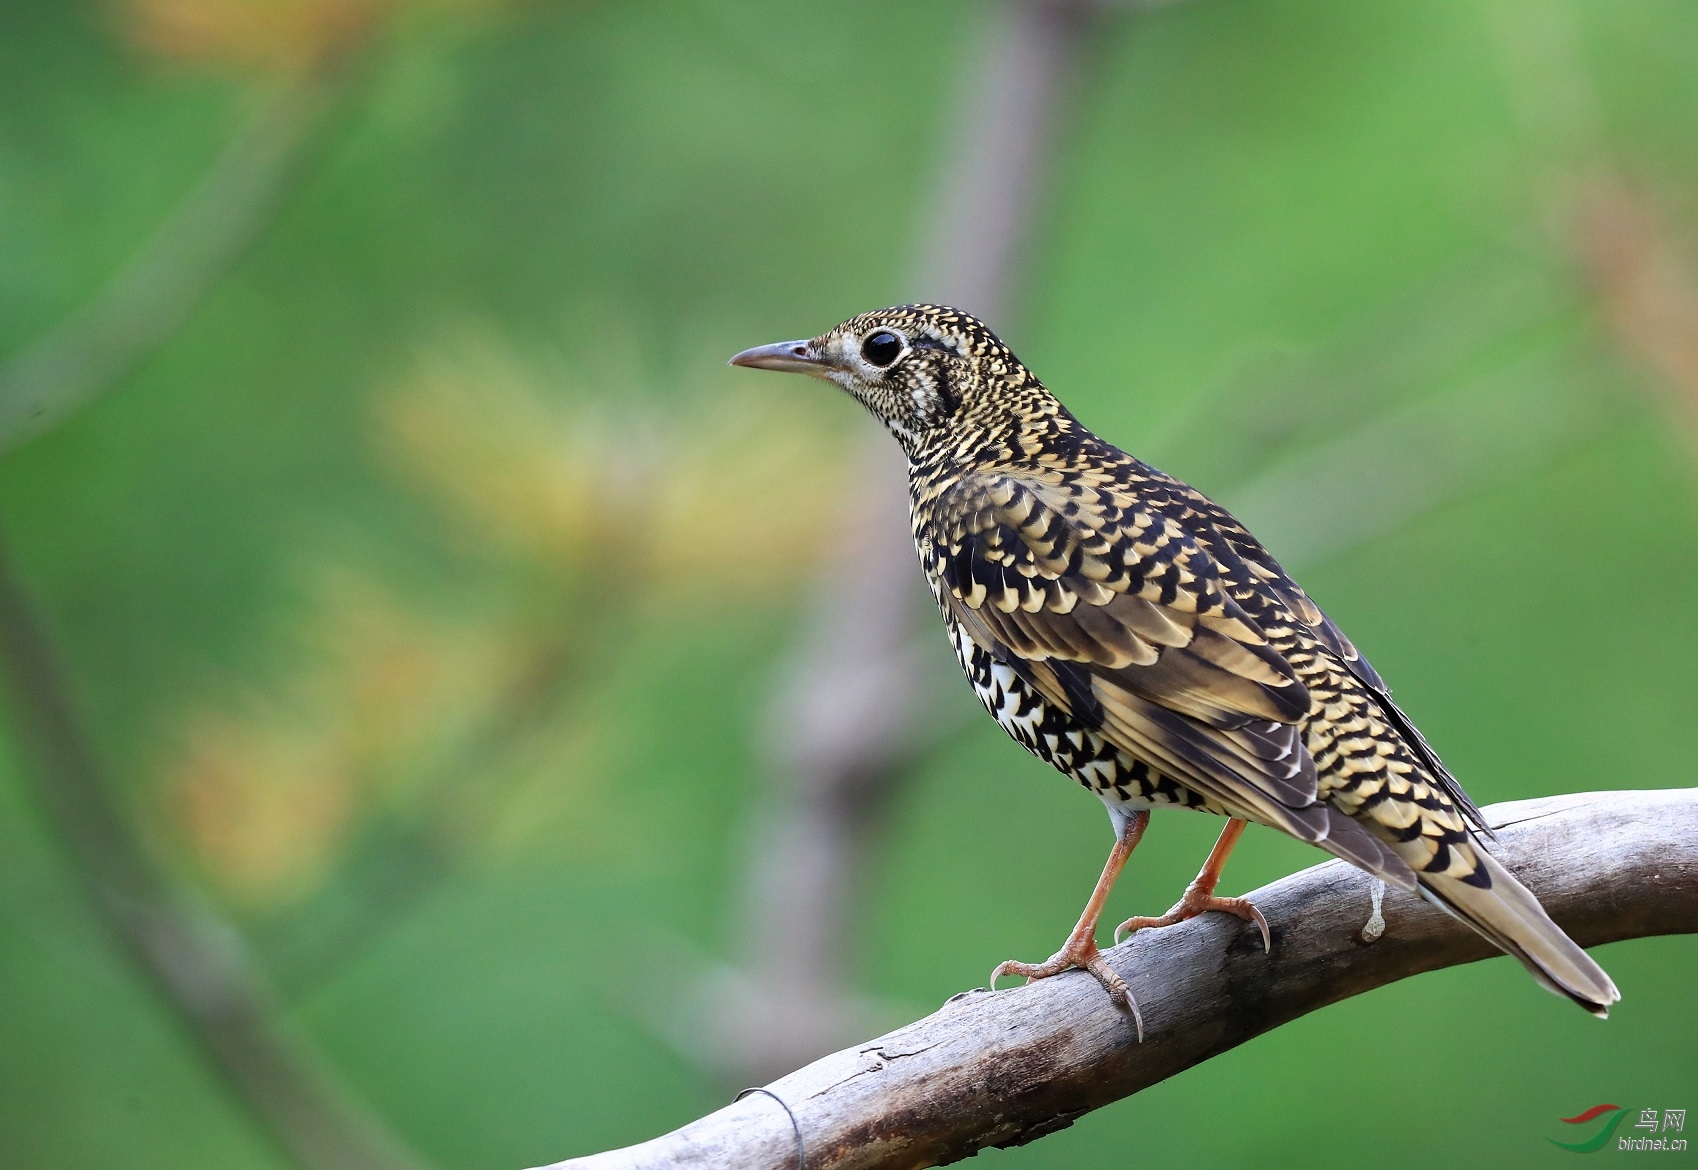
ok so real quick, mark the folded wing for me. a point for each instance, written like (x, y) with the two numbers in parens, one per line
(1120, 617)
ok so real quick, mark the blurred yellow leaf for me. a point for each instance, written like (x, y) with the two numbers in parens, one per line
(263, 810)
(267, 789)
(724, 497)
(276, 36)
(485, 729)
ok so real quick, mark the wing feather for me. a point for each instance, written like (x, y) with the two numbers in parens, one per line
(1150, 647)
(1245, 550)
(1118, 615)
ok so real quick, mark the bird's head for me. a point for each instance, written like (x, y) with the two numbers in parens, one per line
(920, 369)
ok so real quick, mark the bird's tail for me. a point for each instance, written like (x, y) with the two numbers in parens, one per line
(1508, 914)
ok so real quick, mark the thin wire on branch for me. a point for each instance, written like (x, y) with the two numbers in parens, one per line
(1004, 1068)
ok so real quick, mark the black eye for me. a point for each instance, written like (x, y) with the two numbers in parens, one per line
(882, 348)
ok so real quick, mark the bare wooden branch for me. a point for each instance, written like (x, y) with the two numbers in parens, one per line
(1004, 1068)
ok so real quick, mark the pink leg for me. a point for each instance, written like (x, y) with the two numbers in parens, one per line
(1080, 949)
(1199, 895)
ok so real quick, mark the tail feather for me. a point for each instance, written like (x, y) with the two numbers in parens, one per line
(1510, 916)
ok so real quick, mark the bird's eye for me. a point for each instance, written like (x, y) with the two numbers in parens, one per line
(881, 348)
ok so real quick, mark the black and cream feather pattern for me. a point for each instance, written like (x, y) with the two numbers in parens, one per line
(1110, 615)
(1130, 632)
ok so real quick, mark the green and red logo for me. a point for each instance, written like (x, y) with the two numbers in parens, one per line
(1613, 1113)
(1609, 1117)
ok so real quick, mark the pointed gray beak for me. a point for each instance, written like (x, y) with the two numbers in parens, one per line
(790, 357)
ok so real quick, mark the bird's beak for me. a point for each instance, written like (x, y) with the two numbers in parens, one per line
(790, 357)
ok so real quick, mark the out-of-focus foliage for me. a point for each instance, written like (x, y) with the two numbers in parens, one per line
(268, 36)
(433, 650)
(570, 517)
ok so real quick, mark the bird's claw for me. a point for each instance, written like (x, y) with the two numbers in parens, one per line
(1199, 901)
(1084, 955)
(1118, 990)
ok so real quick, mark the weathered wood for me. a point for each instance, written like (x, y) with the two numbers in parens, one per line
(1005, 1068)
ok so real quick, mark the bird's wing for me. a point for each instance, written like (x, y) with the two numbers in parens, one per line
(1118, 615)
(1115, 613)
(1258, 563)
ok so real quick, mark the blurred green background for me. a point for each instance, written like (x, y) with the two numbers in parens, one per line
(422, 594)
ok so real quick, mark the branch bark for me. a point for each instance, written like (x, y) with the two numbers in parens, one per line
(1004, 1068)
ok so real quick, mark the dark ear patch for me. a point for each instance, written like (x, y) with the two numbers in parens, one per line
(948, 399)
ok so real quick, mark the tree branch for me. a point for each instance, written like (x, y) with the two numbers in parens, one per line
(1003, 1069)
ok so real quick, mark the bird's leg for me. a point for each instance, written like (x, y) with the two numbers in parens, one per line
(1080, 950)
(1200, 895)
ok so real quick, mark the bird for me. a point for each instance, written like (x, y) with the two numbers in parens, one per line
(1130, 632)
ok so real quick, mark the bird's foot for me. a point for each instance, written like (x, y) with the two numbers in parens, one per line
(1080, 951)
(1200, 900)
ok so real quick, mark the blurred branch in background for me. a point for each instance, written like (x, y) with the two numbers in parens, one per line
(307, 56)
(416, 733)
(1271, 400)
(1339, 495)
(1646, 284)
(852, 714)
(1456, 391)
(1641, 274)
(150, 298)
(1006, 1068)
(1465, 384)
(197, 961)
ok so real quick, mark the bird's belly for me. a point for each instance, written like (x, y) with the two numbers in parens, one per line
(1055, 737)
